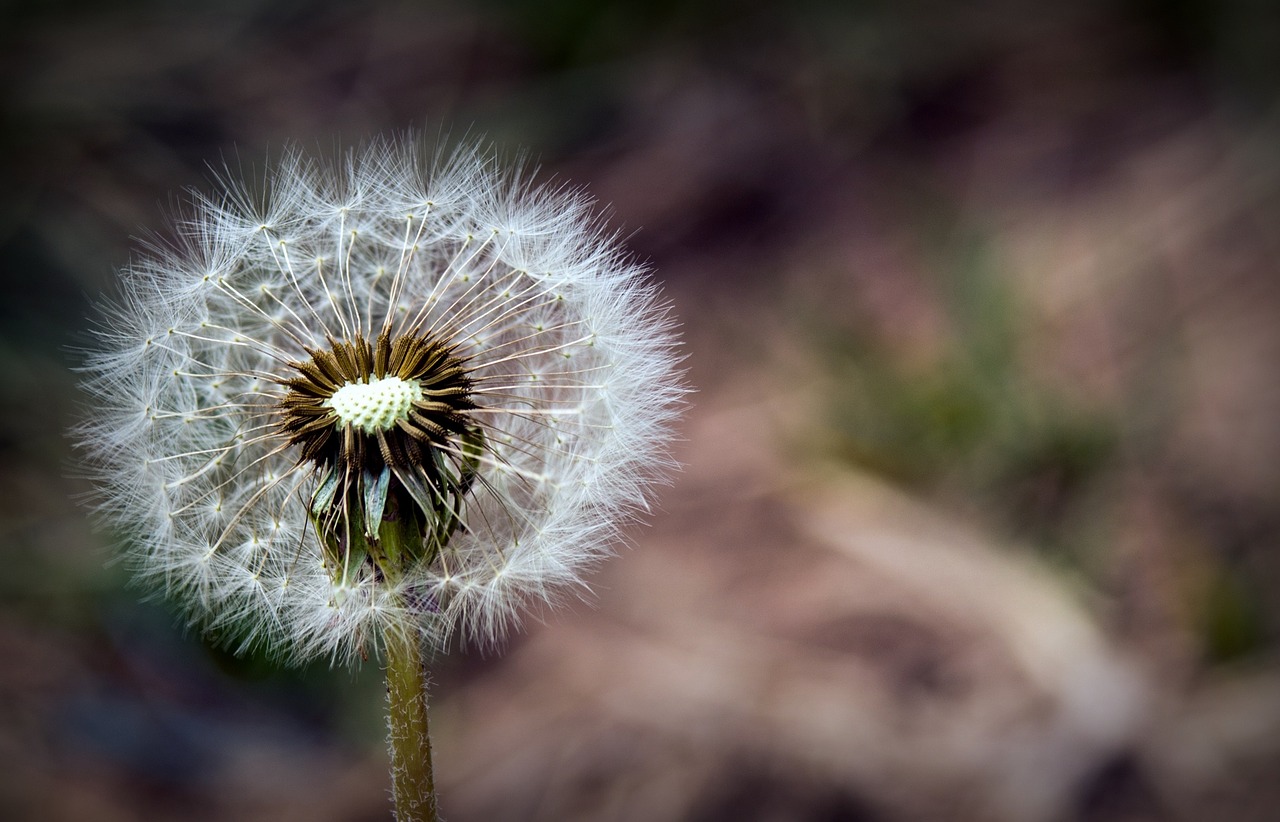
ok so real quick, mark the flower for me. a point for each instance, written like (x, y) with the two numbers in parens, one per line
(405, 393)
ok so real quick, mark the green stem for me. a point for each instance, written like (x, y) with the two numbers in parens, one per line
(412, 781)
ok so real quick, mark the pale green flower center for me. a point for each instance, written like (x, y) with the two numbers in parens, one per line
(376, 405)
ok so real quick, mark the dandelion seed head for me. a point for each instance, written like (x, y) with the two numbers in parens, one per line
(402, 340)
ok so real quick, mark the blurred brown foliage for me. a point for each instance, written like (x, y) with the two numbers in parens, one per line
(979, 519)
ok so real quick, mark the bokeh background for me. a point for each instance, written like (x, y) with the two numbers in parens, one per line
(979, 518)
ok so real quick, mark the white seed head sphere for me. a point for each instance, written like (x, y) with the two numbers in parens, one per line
(400, 335)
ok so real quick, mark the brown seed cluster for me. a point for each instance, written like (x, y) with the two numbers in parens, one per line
(409, 448)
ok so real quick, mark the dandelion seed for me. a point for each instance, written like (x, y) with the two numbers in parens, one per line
(379, 405)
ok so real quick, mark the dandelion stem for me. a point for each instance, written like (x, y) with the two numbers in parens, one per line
(411, 776)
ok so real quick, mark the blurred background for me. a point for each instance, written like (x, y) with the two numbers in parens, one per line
(979, 518)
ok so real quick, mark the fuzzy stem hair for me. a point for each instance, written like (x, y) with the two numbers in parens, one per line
(412, 780)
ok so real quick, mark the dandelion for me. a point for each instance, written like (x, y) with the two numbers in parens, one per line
(377, 405)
